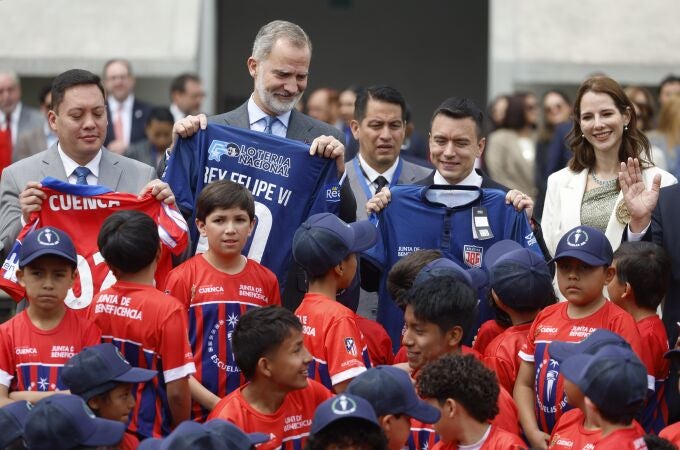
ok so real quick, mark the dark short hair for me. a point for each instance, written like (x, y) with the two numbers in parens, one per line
(515, 115)
(224, 194)
(179, 83)
(160, 114)
(69, 79)
(347, 433)
(460, 108)
(669, 79)
(646, 266)
(128, 241)
(444, 301)
(402, 274)
(42, 94)
(464, 379)
(381, 93)
(259, 332)
(655, 442)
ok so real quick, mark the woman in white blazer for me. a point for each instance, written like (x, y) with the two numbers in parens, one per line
(587, 191)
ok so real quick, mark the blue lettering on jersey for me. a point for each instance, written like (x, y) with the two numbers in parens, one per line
(288, 185)
(438, 227)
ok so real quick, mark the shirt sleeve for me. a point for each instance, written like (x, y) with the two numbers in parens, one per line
(92, 334)
(344, 347)
(176, 285)
(7, 362)
(528, 350)
(625, 326)
(274, 292)
(178, 361)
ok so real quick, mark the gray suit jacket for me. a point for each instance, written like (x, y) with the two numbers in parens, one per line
(48, 164)
(29, 120)
(29, 143)
(410, 173)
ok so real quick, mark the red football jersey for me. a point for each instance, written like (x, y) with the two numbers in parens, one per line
(671, 433)
(494, 439)
(149, 328)
(215, 301)
(624, 439)
(80, 212)
(570, 434)
(554, 324)
(655, 342)
(288, 427)
(487, 333)
(378, 341)
(332, 337)
(500, 354)
(31, 359)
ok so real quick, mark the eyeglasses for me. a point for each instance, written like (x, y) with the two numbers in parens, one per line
(553, 108)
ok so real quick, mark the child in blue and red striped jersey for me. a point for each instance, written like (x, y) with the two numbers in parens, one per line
(148, 327)
(217, 287)
(642, 271)
(35, 344)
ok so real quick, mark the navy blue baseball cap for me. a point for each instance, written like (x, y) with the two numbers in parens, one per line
(342, 406)
(389, 390)
(559, 351)
(586, 244)
(99, 369)
(613, 378)
(187, 435)
(519, 276)
(235, 438)
(12, 419)
(63, 421)
(46, 241)
(324, 240)
(442, 267)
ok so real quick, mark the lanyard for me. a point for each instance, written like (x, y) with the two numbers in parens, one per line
(363, 180)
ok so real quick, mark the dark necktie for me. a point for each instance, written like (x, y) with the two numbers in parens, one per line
(81, 174)
(268, 120)
(8, 127)
(380, 182)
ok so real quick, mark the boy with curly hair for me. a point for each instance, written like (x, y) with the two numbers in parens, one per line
(466, 393)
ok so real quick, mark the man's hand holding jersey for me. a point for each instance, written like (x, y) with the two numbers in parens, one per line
(324, 146)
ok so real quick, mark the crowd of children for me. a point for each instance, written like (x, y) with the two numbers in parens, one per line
(215, 361)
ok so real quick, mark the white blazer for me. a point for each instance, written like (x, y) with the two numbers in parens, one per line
(562, 210)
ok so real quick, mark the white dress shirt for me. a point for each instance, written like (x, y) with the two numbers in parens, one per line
(372, 174)
(114, 106)
(70, 165)
(256, 119)
(455, 198)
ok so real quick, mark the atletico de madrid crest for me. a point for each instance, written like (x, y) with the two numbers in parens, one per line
(472, 255)
(350, 346)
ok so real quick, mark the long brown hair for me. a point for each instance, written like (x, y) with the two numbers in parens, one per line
(634, 144)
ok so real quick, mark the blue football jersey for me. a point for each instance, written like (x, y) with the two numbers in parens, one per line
(417, 218)
(288, 185)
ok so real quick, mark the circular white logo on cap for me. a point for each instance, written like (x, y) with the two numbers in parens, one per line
(577, 238)
(48, 237)
(343, 405)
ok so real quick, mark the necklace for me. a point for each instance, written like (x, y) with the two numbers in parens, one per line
(602, 182)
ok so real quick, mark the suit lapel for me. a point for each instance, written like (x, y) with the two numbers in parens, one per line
(52, 165)
(109, 171)
(299, 128)
(572, 197)
(240, 118)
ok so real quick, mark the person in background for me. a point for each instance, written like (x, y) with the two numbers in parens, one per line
(323, 105)
(186, 96)
(668, 88)
(37, 139)
(15, 117)
(346, 112)
(644, 104)
(158, 131)
(666, 137)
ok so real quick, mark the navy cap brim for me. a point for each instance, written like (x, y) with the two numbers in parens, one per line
(582, 256)
(559, 351)
(498, 250)
(258, 438)
(365, 236)
(150, 444)
(47, 251)
(424, 412)
(136, 375)
(104, 433)
(573, 367)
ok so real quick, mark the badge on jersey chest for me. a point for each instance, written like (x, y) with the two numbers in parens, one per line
(472, 255)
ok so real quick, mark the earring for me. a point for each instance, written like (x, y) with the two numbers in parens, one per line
(625, 127)
(583, 135)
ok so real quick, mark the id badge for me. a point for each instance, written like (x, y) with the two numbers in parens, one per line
(481, 230)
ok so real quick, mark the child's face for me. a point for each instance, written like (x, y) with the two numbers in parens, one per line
(615, 288)
(349, 265)
(289, 362)
(397, 430)
(47, 281)
(581, 283)
(159, 134)
(574, 395)
(227, 230)
(115, 404)
(443, 427)
(424, 341)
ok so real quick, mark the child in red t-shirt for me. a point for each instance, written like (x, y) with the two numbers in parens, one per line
(35, 344)
(583, 257)
(218, 286)
(279, 398)
(148, 327)
(672, 432)
(510, 265)
(466, 393)
(614, 384)
(642, 272)
(575, 429)
(325, 247)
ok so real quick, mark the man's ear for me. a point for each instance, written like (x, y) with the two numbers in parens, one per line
(252, 66)
(264, 367)
(449, 408)
(453, 337)
(628, 291)
(609, 275)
